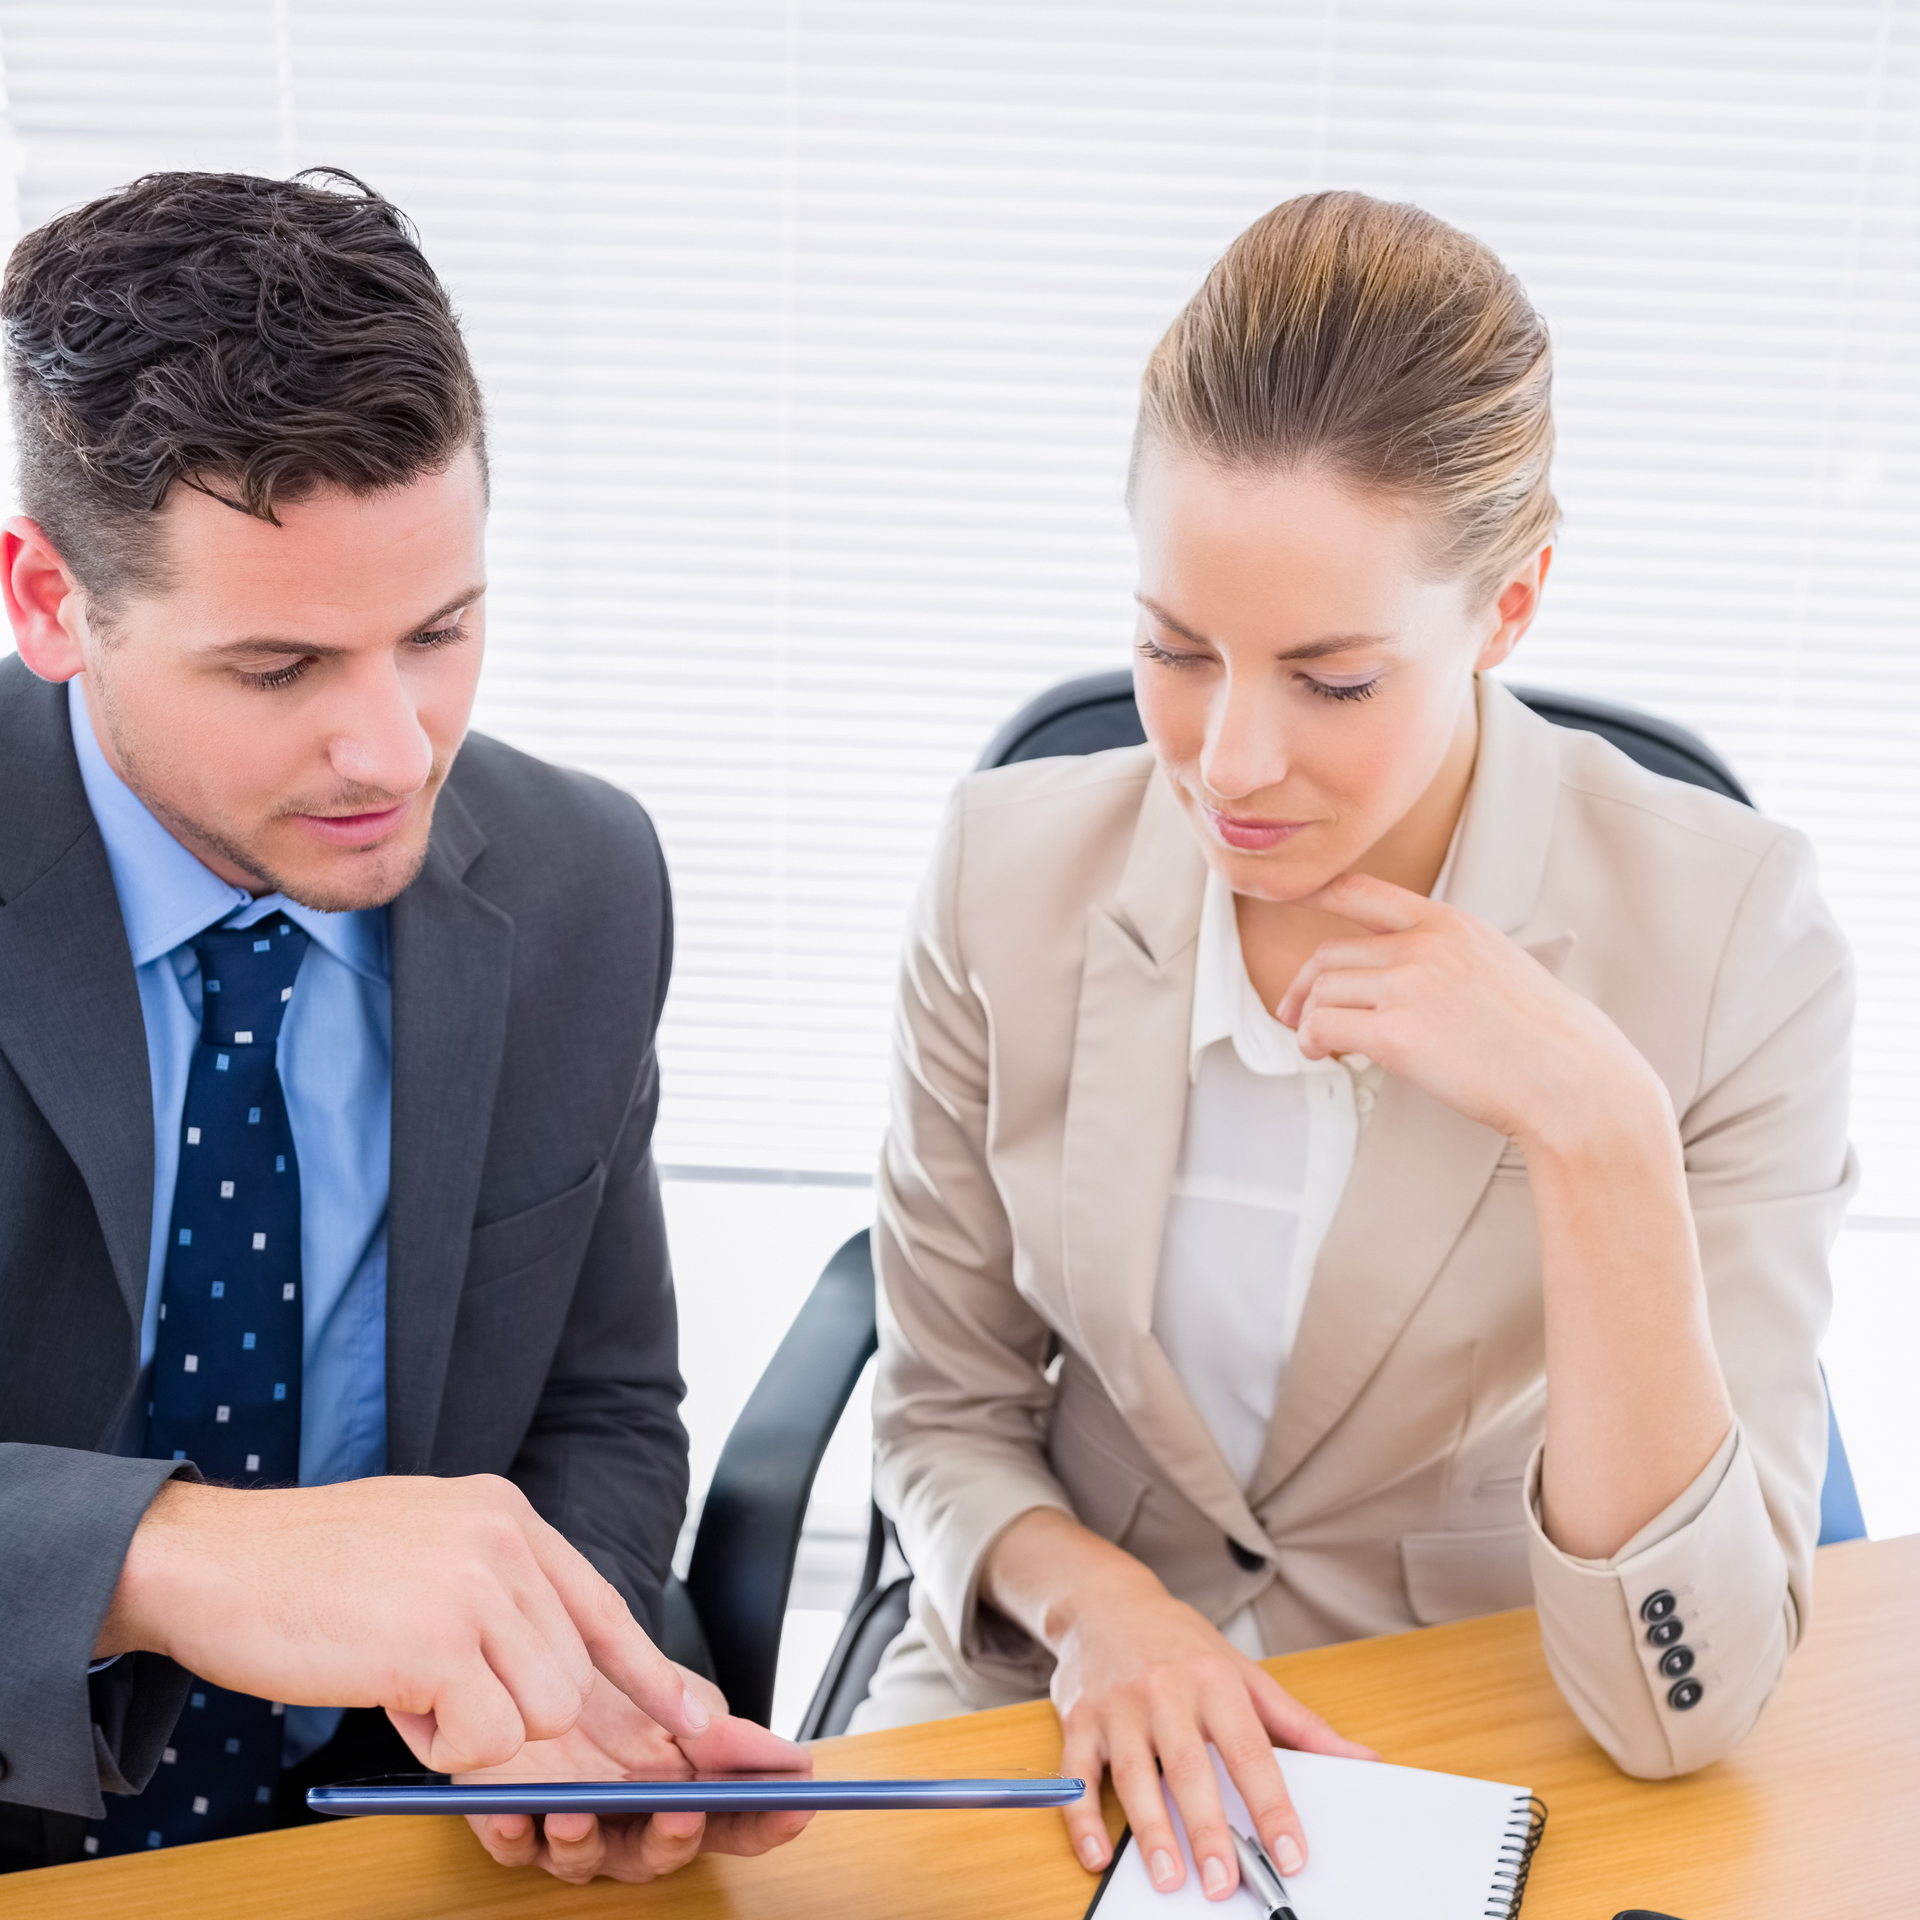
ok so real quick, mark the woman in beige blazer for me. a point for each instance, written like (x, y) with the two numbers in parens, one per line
(1558, 1345)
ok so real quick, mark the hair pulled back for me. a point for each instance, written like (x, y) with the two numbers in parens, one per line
(1376, 344)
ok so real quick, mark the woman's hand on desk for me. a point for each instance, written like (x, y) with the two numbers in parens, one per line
(613, 1737)
(1142, 1678)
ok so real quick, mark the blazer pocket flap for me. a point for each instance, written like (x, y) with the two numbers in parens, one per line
(505, 1247)
(1457, 1574)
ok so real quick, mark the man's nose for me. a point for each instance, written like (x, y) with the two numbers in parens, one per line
(378, 740)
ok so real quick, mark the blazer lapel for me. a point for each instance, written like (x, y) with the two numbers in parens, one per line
(70, 1020)
(452, 962)
(1126, 1106)
(1421, 1168)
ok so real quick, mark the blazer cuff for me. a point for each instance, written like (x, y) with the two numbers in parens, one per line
(66, 1520)
(948, 1554)
(1669, 1649)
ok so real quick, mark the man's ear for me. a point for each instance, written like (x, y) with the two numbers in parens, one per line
(1514, 608)
(46, 605)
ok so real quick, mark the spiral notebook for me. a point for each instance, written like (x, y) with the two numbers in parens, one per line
(1384, 1843)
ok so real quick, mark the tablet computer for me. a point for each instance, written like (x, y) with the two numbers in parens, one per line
(702, 1793)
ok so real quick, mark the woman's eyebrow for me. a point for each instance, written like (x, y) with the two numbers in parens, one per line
(1310, 650)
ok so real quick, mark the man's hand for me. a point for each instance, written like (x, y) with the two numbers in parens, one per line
(450, 1603)
(612, 1738)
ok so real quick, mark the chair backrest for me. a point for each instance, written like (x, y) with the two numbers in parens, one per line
(1096, 711)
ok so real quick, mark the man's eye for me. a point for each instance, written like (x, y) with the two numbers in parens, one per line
(441, 636)
(278, 677)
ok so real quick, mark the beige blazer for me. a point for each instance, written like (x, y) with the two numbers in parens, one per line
(1038, 1097)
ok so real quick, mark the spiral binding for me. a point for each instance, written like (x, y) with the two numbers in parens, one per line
(1524, 1828)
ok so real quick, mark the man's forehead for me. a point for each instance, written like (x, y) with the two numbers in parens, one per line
(389, 562)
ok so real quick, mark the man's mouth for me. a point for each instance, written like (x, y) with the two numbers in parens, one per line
(353, 829)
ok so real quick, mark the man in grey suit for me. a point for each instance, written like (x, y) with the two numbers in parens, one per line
(338, 1384)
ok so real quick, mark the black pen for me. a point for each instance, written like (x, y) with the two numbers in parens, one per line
(1257, 1875)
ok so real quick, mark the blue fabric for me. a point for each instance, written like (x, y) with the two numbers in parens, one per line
(335, 1061)
(1840, 1515)
(226, 1364)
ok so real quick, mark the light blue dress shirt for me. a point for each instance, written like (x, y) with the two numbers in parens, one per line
(336, 1068)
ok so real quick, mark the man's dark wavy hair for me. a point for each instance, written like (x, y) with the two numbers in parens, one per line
(257, 339)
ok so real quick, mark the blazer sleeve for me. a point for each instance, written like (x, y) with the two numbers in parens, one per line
(605, 1457)
(961, 1395)
(66, 1520)
(1769, 1174)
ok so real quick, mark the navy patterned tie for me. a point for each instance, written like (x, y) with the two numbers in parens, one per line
(226, 1364)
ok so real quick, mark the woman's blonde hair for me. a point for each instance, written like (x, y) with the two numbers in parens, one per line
(1374, 343)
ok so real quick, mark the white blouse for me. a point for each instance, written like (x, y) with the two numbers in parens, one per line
(1264, 1159)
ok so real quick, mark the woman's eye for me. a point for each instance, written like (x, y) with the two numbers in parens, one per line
(1344, 689)
(1151, 649)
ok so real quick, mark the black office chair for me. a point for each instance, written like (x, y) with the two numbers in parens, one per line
(749, 1532)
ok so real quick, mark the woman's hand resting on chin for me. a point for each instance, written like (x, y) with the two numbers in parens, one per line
(1451, 1004)
(612, 1738)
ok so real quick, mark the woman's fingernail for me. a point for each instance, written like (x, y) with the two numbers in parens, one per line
(1162, 1869)
(1092, 1852)
(1213, 1876)
(696, 1714)
(1287, 1855)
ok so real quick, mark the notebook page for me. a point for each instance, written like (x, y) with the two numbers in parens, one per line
(1384, 1843)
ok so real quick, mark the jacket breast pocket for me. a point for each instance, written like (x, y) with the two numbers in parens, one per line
(502, 1249)
(1458, 1574)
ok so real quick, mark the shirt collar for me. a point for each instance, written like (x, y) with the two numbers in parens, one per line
(167, 895)
(1225, 1006)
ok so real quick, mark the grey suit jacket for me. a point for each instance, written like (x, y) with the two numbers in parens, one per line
(530, 1315)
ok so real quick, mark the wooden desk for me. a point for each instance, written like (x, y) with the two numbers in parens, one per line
(1815, 1815)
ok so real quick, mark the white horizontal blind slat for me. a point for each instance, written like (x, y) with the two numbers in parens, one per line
(810, 333)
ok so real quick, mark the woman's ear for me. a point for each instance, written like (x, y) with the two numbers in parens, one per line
(1514, 608)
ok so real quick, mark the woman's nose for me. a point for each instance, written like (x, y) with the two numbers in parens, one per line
(1244, 750)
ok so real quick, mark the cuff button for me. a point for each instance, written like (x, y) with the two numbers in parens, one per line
(1676, 1661)
(1243, 1558)
(1663, 1633)
(1658, 1605)
(1684, 1694)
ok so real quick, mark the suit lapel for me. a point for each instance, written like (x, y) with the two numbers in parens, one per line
(452, 971)
(1420, 1168)
(70, 1020)
(1126, 1105)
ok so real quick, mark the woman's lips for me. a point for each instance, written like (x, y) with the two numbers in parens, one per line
(1252, 836)
(352, 829)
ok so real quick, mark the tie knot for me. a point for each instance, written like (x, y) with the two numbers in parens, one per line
(246, 980)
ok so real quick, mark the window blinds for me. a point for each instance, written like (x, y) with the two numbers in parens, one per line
(810, 333)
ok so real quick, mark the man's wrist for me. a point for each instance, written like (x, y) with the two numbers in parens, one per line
(138, 1613)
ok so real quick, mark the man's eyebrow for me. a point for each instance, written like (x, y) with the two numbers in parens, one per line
(1313, 650)
(258, 645)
